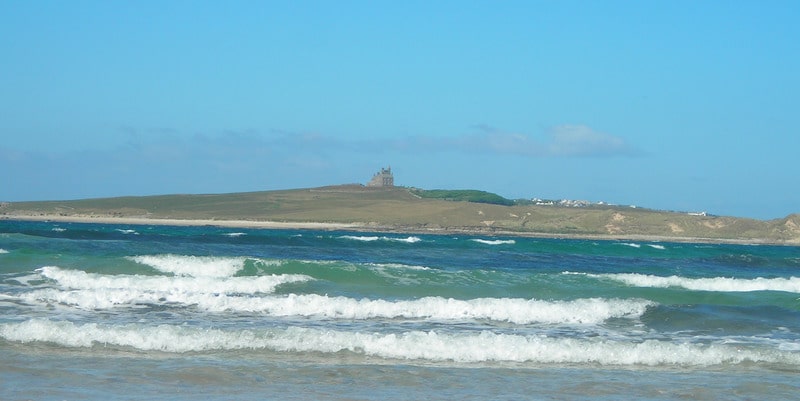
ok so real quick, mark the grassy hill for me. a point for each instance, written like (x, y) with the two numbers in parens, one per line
(411, 210)
(468, 195)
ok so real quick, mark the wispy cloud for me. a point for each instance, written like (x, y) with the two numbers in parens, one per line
(580, 140)
(559, 141)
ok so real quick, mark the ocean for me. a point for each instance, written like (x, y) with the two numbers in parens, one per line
(103, 311)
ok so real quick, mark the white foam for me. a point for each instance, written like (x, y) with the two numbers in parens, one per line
(635, 245)
(2, 251)
(360, 238)
(124, 231)
(195, 266)
(59, 229)
(516, 311)
(108, 298)
(250, 295)
(494, 242)
(724, 284)
(412, 345)
(789, 346)
(96, 299)
(410, 239)
(234, 234)
(398, 266)
(275, 262)
(76, 279)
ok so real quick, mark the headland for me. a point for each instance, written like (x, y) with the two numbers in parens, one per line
(398, 209)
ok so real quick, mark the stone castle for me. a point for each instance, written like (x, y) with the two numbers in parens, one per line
(383, 178)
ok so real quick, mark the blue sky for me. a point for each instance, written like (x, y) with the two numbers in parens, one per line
(681, 105)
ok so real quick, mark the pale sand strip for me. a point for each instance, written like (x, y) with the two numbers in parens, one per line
(183, 222)
(367, 227)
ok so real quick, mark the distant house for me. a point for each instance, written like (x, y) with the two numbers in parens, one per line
(383, 178)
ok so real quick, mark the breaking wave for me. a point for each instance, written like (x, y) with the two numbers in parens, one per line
(251, 295)
(484, 346)
(80, 280)
(194, 266)
(366, 238)
(494, 242)
(722, 284)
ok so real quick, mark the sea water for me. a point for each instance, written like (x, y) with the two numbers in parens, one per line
(99, 312)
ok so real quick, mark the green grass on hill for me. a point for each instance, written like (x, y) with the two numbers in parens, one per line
(468, 195)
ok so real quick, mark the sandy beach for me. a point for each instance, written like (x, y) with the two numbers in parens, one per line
(368, 227)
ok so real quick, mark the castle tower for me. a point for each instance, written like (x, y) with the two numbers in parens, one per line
(383, 178)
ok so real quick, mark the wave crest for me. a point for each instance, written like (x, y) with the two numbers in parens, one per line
(195, 266)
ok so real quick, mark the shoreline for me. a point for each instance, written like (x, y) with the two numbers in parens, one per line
(144, 221)
(373, 227)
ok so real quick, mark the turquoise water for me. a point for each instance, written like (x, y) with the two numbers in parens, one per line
(92, 311)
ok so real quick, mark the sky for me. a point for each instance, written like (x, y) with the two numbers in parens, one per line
(675, 105)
